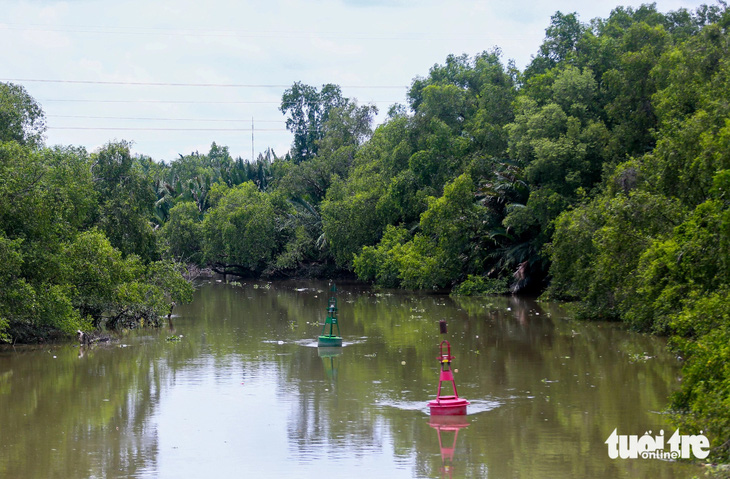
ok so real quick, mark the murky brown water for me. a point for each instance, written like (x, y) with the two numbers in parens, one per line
(245, 392)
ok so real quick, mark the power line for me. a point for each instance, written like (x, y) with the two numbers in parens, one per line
(205, 102)
(160, 119)
(193, 102)
(131, 83)
(206, 85)
(158, 129)
(287, 34)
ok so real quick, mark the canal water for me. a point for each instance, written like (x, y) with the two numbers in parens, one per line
(235, 386)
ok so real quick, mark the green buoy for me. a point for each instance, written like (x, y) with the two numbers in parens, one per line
(329, 340)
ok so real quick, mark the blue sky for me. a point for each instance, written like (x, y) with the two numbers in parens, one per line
(173, 76)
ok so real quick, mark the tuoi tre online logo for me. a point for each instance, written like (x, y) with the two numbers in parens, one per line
(653, 447)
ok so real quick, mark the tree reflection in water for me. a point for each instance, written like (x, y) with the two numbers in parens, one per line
(246, 389)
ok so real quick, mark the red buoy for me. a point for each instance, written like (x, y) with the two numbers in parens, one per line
(447, 405)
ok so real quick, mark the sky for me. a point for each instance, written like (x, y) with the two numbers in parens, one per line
(174, 76)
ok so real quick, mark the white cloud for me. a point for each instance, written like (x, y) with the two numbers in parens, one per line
(277, 42)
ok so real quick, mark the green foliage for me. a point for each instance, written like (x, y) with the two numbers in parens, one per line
(693, 113)
(389, 149)
(693, 261)
(297, 251)
(346, 126)
(438, 255)
(702, 403)
(308, 110)
(96, 269)
(21, 117)
(116, 291)
(560, 45)
(15, 290)
(4, 336)
(59, 273)
(440, 156)
(166, 279)
(311, 180)
(349, 222)
(45, 197)
(403, 201)
(561, 143)
(240, 230)
(422, 266)
(535, 218)
(651, 247)
(306, 244)
(181, 237)
(379, 264)
(597, 247)
(454, 222)
(126, 201)
(460, 110)
(481, 286)
(573, 252)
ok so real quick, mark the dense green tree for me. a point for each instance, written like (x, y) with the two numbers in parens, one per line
(382, 164)
(693, 261)
(350, 221)
(306, 184)
(16, 295)
(693, 110)
(560, 45)
(241, 230)
(454, 221)
(308, 109)
(597, 246)
(460, 110)
(343, 131)
(45, 196)
(561, 143)
(701, 404)
(650, 248)
(117, 291)
(305, 251)
(181, 236)
(630, 86)
(126, 201)
(683, 291)
(345, 126)
(21, 117)
(379, 264)
(59, 273)
(447, 248)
